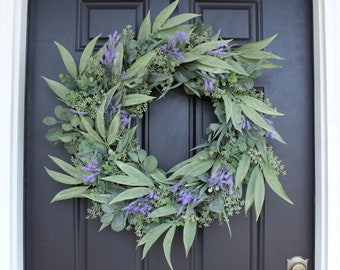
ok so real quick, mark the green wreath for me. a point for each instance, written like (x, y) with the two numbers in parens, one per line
(112, 87)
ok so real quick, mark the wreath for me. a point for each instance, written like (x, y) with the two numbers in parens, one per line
(112, 87)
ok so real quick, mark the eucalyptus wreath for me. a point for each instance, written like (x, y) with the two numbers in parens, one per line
(112, 87)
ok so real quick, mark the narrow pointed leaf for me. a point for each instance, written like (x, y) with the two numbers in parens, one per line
(256, 46)
(163, 16)
(274, 183)
(87, 54)
(208, 46)
(242, 169)
(189, 233)
(150, 234)
(74, 172)
(165, 211)
(236, 67)
(228, 107)
(145, 28)
(114, 128)
(133, 172)
(69, 193)
(236, 116)
(68, 60)
(195, 168)
(91, 132)
(59, 89)
(135, 99)
(259, 193)
(167, 243)
(177, 20)
(126, 139)
(155, 233)
(63, 178)
(99, 54)
(250, 193)
(141, 63)
(126, 180)
(130, 194)
(100, 122)
(259, 105)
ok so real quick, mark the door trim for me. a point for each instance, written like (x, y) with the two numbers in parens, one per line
(13, 23)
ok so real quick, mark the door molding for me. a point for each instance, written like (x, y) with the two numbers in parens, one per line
(13, 25)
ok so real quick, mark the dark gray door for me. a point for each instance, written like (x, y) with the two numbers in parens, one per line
(59, 237)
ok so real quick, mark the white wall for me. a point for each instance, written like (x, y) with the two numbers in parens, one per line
(327, 113)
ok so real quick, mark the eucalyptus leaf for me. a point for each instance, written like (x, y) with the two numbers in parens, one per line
(59, 89)
(49, 121)
(189, 233)
(118, 221)
(66, 138)
(163, 16)
(135, 173)
(68, 60)
(274, 183)
(87, 54)
(150, 164)
(130, 194)
(69, 193)
(167, 243)
(63, 178)
(74, 172)
(52, 134)
(259, 193)
(242, 169)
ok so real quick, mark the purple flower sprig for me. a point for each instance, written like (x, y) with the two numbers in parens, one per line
(175, 44)
(143, 205)
(246, 124)
(185, 196)
(220, 179)
(270, 122)
(220, 50)
(125, 118)
(91, 168)
(110, 51)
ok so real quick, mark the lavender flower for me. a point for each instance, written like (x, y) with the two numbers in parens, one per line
(125, 119)
(92, 169)
(219, 179)
(173, 46)
(110, 51)
(209, 84)
(143, 205)
(77, 112)
(270, 122)
(245, 124)
(220, 50)
(185, 197)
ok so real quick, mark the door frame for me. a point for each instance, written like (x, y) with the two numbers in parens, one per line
(13, 28)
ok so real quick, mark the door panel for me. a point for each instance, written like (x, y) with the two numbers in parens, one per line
(57, 236)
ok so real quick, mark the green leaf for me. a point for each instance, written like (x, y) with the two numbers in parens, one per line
(87, 54)
(242, 169)
(49, 121)
(261, 146)
(68, 168)
(237, 67)
(227, 106)
(259, 105)
(130, 194)
(208, 46)
(53, 134)
(68, 60)
(177, 20)
(255, 46)
(189, 233)
(150, 164)
(145, 28)
(101, 198)
(118, 222)
(259, 193)
(135, 173)
(151, 237)
(250, 193)
(211, 69)
(141, 63)
(59, 89)
(99, 54)
(91, 132)
(236, 116)
(135, 99)
(167, 243)
(190, 57)
(163, 16)
(126, 139)
(63, 178)
(66, 138)
(217, 205)
(100, 121)
(259, 55)
(195, 168)
(213, 62)
(126, 180)
(69, 193)
(258, 120)
(274, 183)
(188, 28)
(67, 126)
(114, 128)
(165, 211)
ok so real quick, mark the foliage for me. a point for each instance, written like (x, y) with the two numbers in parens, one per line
(112, 87)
